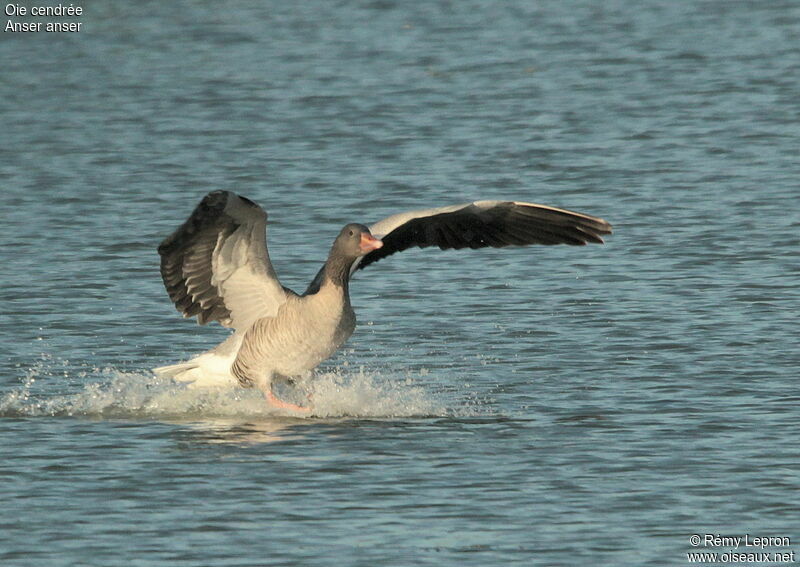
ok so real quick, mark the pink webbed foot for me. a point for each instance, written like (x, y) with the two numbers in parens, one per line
(275, 401)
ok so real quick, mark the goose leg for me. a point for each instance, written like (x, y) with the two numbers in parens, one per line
(275, 401)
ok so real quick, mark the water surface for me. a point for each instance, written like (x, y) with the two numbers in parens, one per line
(550, 405)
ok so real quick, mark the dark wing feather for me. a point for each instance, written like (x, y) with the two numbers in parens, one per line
(215, 265)
(186, 260)
(485, 224)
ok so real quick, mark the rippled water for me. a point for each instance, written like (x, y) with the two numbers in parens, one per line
(552, 405)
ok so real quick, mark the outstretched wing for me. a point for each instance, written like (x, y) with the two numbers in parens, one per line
(216, 265)
(483, 224)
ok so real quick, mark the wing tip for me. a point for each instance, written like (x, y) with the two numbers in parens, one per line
(205, 213)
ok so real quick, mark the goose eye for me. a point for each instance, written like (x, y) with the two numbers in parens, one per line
(351, 233)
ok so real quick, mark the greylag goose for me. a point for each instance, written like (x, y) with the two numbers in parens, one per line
(216, 267)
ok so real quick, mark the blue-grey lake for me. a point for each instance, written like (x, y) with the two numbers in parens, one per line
(548, 405)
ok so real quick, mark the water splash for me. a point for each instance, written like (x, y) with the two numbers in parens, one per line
(47, 390)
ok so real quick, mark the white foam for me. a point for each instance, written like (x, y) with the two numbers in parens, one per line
(111, 393)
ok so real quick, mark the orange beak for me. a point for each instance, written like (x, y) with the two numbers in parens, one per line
(369, 243)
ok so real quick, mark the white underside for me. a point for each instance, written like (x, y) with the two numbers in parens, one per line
(212, 369)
